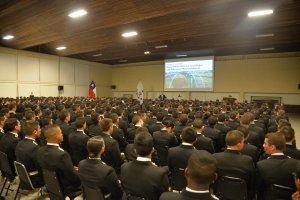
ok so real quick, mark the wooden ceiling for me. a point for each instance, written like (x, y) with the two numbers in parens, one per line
(191, 27)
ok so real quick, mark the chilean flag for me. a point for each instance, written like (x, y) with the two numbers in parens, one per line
(92, 90)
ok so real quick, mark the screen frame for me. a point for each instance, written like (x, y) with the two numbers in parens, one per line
(191, 59)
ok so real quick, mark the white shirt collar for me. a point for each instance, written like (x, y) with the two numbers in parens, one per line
(143, 159)
(277, 154)
(187, 144)
(15, 134)
(81, 131)
(52, 144)
(196, 191)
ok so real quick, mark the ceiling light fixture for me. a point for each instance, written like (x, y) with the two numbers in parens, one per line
(99, 54)
(267, 49)
(182, 55)
(129, 34)
(257, 13)
(147, 52)
(8, 37)
(161, 46)
(77, 13)
(61, 48)
(265, 35)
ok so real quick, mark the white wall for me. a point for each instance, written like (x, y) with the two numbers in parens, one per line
(25, 72)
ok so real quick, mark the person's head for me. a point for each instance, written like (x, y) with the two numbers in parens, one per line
(32, 129)
(30, 115)
(12, 125)
(137, 120)
(47, 121)
(244, 130)
(235, 140)
(198, 124)
(64, 116)
(114, 117)
(53, 134)
(274, 143)
(106, 125)
(143, 144)
(183, 118)
(12, 107)
(221, 117)
(188, 135)
(282, 123)
(160, 116)
(212, 120)
(245, 120)
(201, 170)
(95, 146)
(95, 118)
(80, 123)
(289, 133)
(2, 120)
(169, 125)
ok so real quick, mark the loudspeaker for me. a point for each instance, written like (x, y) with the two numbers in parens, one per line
(113, 87)
(60, 87)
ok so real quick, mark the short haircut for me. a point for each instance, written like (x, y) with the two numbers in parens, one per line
(114, 117)
(143, 144)
(10, 124)
(63, 115)
(244, 130)
(234, 137)
(105, 124)
(136, 119)
(95, 118)
(51, 131)
(221, 117)
(183, 118)
(212, 120)
(141, 129)
(277, 139)
(245, 119)
(30, 126)
(188, 135)
(233, 114)
(94, 146)
(198, 123)
(47, 121)
(29, 115)
(283, 122)
(288, 132)
(79, 122)
(168, 123)
(160, 116)
(12, 106)
(202, 167)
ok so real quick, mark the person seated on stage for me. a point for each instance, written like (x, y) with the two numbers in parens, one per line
(141, 177)
(162, 96)
(26, 151)
(200, 173)
(95, 173)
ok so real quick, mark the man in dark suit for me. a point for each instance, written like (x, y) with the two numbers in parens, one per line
(162, 96)
(52, 157)
(94, 173)
(64, 117)
(138, 122)
(231, 158)
(202, 142)
(2, 121)
(277, 169)
(9, 142)
(118, 133)
(254, 137)
(213, 133)
(183, 120)
(248, 149)
(78, 140)
(200, 173)
(94, 129)
(290, 149)
(221, 126)
(112, 154)
(26, 151)
(141, 177)
(233, 122)
(158, 124)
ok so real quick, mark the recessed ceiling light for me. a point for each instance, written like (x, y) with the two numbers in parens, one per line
(182, 55)
(8, 37)
(257, 13)
(77, 13)
(129, 34)
(265, 35)
(99, 54)
(267, 49)
(161, 46)
(61, 48)
(147, 52)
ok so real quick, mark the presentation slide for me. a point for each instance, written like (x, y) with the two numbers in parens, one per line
(189, 74)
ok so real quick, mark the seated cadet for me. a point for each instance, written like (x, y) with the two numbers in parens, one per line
(290, 148)
(141, 177)
(26, 151)
(95, 173)
(52, 157)
(9, 142)
(202, 142)
(277, 169)
(200, 173)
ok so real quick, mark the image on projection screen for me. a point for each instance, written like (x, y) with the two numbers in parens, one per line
(183, 74)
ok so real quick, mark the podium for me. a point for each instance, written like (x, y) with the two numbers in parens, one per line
(230, 100)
